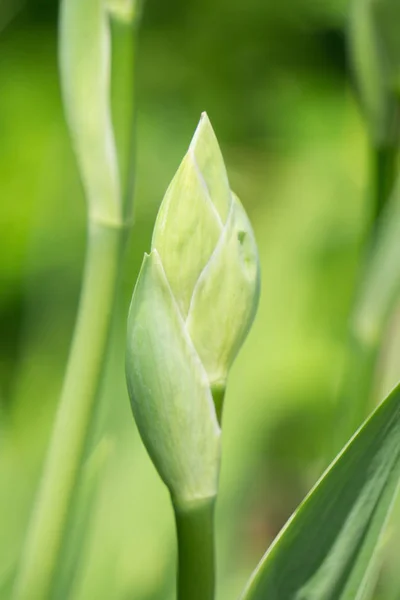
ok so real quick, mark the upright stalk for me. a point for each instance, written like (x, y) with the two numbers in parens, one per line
(196, 551)
(356, 394)
(384, 176)
(105, 162)
(74, 418)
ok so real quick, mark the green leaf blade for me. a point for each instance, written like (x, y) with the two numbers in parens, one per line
(328, 547)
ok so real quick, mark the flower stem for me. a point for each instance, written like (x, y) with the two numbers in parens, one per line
(356, 394)
(49, 524)
(196, 552)
(384, 176)
(356, 397)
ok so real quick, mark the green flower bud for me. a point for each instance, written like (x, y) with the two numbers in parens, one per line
(192, 307)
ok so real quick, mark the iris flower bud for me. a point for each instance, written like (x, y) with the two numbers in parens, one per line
(192, 307)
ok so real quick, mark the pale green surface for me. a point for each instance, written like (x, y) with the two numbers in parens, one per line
(327, 549)
(193, 214)
(192, 307)
(85, 69)
(225, 298)
(209, 163)
(169, 390)
(272, 79)
(45, 568)
(209, 254)
(186, 232)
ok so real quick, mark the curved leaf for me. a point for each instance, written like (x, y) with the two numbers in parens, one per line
(327, 549)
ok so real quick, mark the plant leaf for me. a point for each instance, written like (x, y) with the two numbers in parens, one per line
(328, 548)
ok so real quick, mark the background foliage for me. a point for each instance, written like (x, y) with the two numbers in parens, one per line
(275, 82)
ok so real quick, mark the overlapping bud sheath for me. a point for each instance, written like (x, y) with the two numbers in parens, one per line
(193, 304)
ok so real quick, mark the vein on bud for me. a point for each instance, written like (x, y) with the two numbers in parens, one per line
(169, 389)
(202, 372)
(193, 304)
(209, 159)
(186, 232)
(203, 183)
(205, 241)
(233, 271)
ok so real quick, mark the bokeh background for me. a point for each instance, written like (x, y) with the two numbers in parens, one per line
(275, 80)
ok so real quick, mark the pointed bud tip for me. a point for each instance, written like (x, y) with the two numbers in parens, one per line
(204, 129)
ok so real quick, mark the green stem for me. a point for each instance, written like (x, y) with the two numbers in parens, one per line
(358, 383)
(356, 396)
(196, 552)
(74, 419)
(124, 41)
(384, 176)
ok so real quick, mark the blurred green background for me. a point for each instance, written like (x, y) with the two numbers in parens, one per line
(274, 79)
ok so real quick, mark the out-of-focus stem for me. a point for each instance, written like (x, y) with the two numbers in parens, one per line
(74, 419)
(123, 104)
(384, 177)
(196, 551)
(48, 530)
(356, 393)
